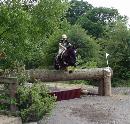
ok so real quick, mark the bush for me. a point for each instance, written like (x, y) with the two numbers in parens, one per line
(87, 48)
(34, 102)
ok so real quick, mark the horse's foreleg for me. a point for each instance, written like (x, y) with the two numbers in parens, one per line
(71, 69)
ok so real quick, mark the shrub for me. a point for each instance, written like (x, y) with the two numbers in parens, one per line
(34, 102)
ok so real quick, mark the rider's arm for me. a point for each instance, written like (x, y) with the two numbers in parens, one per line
(60, 45)
(68, 45)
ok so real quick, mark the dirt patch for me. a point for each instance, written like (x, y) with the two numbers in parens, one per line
(92, 113)
(91, 110)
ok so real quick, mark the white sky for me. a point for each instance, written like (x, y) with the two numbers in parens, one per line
(123, 6)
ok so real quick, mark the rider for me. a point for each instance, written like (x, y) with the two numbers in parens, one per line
(63, 45)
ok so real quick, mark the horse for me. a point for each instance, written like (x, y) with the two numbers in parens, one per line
(68, 58)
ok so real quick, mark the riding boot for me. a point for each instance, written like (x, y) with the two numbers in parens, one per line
(58, 58)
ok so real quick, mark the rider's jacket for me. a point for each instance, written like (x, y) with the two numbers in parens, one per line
(63, 46)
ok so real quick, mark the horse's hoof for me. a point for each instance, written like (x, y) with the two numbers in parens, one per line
(70, 71)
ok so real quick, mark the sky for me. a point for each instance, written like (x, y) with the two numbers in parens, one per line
(123, 6)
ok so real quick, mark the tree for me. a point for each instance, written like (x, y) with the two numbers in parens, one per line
(116, 43)
(47, 16)
(77, 9)
(96, 20)
(25, 28)
(14, 25)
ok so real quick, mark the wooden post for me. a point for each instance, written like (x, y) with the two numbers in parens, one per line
(107, 81)
(12, 91)
(101, 87)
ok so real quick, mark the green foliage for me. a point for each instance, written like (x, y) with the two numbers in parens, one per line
(47, 16)
(95, 20)
(34, 102)
(24, 29)
(14, 25)
(4, 96)
(120, 83)
(109, 28)
(3, 106)
(117, 45)
(87, 48)
(77, 9)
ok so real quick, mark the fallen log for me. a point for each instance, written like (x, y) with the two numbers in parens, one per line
(102, 74)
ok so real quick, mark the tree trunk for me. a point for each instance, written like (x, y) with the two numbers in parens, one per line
(103, 74)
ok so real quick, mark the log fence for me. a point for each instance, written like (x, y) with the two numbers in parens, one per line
(102, 74)
(10, 83)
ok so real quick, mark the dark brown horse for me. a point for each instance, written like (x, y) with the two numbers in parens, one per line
(68, 58)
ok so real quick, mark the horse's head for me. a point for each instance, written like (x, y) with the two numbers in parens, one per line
(70, 56)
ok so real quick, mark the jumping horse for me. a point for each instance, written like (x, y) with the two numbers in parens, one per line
(66, 59)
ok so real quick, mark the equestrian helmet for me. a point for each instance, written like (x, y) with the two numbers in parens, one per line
(64, 36)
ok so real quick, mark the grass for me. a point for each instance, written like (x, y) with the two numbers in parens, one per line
(121, 83)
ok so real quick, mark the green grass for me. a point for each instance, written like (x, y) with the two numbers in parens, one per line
(121, 83)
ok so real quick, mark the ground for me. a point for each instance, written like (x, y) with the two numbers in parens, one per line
(9, 120)
(92, 109)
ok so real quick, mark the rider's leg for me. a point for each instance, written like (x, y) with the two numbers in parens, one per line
(61, 54)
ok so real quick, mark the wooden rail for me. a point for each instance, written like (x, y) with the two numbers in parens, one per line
(102, 74)
(11, 83)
